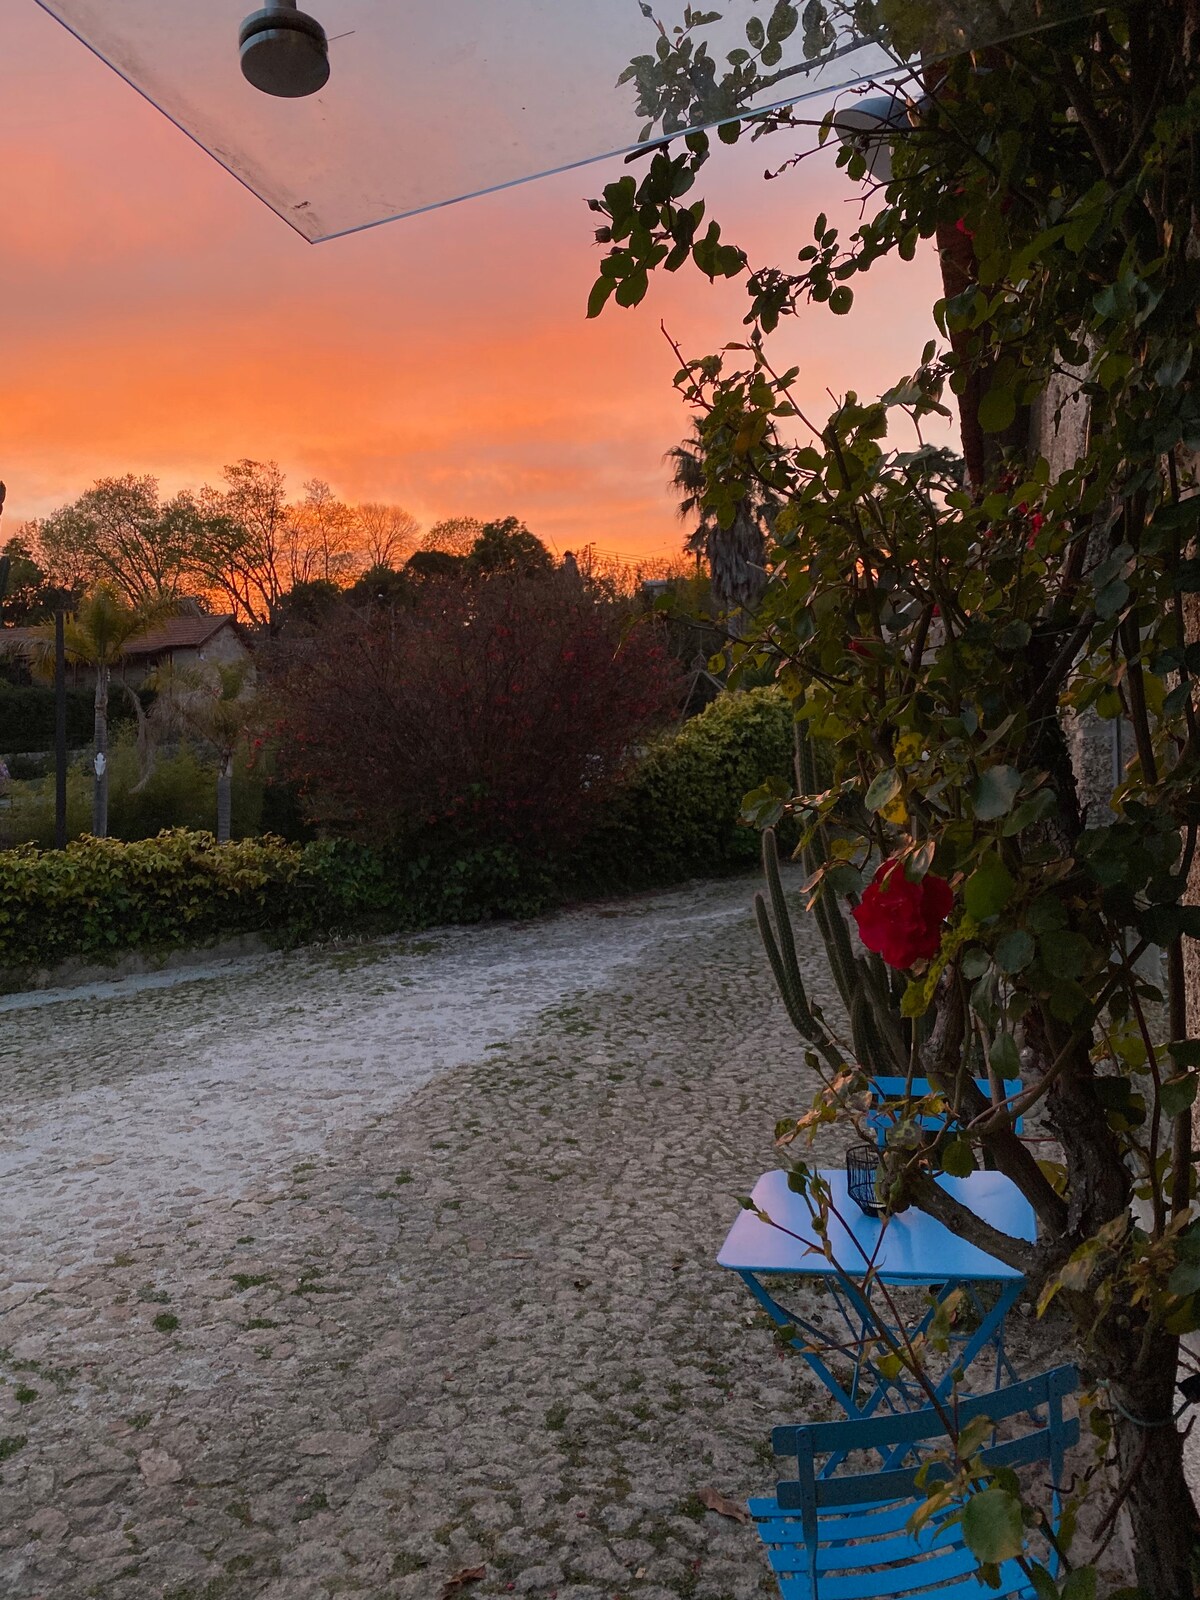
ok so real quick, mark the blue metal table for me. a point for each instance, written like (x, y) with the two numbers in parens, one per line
(859, 1253)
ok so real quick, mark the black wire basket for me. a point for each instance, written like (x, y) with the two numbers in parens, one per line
(862, 1167)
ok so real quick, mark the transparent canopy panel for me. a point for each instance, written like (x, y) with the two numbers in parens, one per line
(431, 101)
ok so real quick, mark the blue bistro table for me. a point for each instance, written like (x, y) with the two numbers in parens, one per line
(910, 1250)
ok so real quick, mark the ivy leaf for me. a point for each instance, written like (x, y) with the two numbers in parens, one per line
(994, 791)
(992, 1526)
(989, 888)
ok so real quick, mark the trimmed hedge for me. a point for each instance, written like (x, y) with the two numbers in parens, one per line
(27, 717)
(679, 814)
(676, 817)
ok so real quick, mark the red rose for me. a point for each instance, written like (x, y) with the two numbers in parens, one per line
(902, 921)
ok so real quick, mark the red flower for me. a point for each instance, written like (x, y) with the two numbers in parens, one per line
(902, 921)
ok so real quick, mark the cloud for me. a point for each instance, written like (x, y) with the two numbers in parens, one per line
(169, 324)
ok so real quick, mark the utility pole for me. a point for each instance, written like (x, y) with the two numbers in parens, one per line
(60, 731)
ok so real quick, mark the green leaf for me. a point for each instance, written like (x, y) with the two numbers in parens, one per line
(1185, 1278)
(1112, 599)
(1044, 1585)
(883, 790)
(958, 1159)
(997, 410)
(992, 1526)
(989, 888)
(994, 791)
(1014, 951)
(1178, 1094)
(1014, 635)
(783, 20)
(1185, 1052)
(1080, 1585)
(1125, 1109)
(1004, 1056)
(598, 298)
(975, 963)
(841, 300)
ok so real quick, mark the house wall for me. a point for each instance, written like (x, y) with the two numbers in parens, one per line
(224, 647)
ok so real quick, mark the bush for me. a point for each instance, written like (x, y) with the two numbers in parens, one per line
(675, 817)
(499, 712)
(27, 717)
(679, 813)
(101, 896)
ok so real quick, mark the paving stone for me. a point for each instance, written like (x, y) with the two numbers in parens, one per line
(482, 1177)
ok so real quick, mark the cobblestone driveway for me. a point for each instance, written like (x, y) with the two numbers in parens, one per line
(336, 1274)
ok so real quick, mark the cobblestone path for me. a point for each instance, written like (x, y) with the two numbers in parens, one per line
(337, 1274)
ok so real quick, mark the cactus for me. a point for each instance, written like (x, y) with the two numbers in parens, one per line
(879, 1038)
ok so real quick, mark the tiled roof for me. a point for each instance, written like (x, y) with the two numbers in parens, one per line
(177, 633)
(18, 638)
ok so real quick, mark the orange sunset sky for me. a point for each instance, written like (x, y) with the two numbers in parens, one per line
(158, 318)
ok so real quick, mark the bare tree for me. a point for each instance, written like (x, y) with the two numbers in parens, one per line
(246, 555)
(324, 538)
(387, 535)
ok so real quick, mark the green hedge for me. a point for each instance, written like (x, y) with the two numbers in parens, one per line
(679, 814)
(27, 717)
(676, 817)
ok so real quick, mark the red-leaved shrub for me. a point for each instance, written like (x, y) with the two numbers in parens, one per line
(500, 711)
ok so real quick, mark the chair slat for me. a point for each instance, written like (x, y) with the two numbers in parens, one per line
(838, 1526)
(1013, 1586)
(869, 1433)
(846, 1536)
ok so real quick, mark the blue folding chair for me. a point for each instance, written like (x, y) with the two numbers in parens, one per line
(846, 1537)
(883, 1115)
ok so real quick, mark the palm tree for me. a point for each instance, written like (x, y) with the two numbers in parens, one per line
(96, 636)
(735, 555)
(213, 707)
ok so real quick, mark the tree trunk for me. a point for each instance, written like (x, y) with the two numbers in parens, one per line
(1149, 1451)
(224, 798)
(100, 757)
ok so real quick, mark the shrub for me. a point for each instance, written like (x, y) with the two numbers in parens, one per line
(679, 813)
(675, 817)
(100, 896)
(496, 712)
(27, 717)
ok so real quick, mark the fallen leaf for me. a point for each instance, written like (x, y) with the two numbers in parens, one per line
(460, 1580)
(713, 1500)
